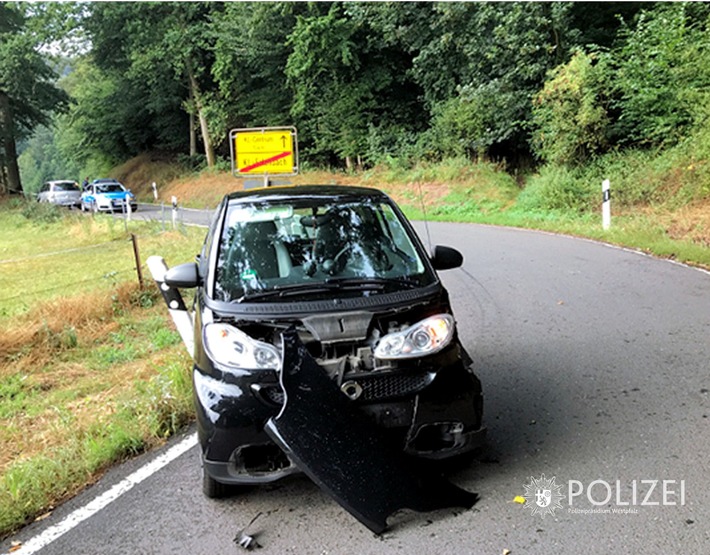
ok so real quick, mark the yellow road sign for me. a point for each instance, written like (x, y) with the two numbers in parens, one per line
(264, 151)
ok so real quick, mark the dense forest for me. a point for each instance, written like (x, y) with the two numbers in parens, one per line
(84, 86)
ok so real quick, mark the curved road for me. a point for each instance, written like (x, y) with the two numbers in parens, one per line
(595, 363)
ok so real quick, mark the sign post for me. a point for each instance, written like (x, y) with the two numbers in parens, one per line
(264, 152)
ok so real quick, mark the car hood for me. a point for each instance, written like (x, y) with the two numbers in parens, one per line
(122, 194)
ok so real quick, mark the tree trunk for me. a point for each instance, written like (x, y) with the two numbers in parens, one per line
(7, 143)
(206, 139)
(193, 135)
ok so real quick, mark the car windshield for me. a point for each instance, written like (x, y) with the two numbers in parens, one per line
(65, 187)
(109, 188)
(314, 248)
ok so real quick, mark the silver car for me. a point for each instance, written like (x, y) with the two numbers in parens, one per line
(62, 193)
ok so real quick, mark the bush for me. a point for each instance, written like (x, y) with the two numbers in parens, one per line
(477, 119)
(557, 188)
(42, 212)
(570, 114)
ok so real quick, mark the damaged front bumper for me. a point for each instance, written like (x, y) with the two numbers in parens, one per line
(438, 418)
(346, 456)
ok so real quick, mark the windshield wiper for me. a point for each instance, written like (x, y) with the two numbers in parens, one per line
(328, 286)
(374, 282)
(288, 290)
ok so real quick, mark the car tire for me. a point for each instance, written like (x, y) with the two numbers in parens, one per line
(212, 489)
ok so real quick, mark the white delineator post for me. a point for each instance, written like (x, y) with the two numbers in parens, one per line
(606, 204)
(175, 211)
(155, 191)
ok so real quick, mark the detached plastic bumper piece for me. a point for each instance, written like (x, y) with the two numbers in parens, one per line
(347, 457)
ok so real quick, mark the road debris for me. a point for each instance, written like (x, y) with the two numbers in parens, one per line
(247, 541)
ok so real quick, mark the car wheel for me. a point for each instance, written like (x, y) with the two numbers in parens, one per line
(95, 207)
(214, 489)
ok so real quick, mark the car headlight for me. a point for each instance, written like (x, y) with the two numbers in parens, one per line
(231, 347)
(424, 338)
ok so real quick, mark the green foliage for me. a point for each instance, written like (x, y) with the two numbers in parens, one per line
(346, 83)
(570, 113)
(486, 61)
(662, 78)
(42, 212)
(25, 77)
(557, 188)
(368, 83)
(475, 120)
(250, 54)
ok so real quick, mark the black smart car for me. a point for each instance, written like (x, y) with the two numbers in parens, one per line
(339, 273)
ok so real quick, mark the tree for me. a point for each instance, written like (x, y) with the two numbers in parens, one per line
(251, 50)
(27, 92)
(158, 47)
(662, 74)
(348, 82)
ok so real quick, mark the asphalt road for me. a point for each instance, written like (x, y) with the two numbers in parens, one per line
(595, 363)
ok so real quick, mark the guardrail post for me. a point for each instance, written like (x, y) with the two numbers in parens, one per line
(134, 240)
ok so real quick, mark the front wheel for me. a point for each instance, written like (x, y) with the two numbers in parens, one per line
(214, 489)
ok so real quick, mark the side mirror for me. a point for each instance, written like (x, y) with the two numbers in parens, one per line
(446, 258)
(184, 276)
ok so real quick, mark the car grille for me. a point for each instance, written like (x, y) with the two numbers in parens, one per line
(388, 386)
(375, 387)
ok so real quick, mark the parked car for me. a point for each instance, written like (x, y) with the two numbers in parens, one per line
(60, 192)
(107, 195)
(337, 278)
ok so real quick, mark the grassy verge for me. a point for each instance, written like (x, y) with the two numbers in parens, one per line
(89, 375)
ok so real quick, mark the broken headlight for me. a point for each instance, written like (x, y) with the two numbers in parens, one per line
(424, 338)
(229, 346)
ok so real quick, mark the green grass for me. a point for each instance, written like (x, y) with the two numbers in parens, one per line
(90, 372)
(75, 254)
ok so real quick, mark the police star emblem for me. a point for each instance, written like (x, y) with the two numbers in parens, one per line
(543, 496)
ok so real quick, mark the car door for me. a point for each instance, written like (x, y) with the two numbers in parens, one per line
(87, 197)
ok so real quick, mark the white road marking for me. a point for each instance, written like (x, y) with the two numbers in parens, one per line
(82, 513)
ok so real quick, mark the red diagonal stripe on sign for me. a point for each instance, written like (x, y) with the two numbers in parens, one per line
(264, 162)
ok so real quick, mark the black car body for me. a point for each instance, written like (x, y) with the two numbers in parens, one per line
(343, 271)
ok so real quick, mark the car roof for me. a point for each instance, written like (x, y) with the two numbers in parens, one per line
(331, 192)
(55, 181)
